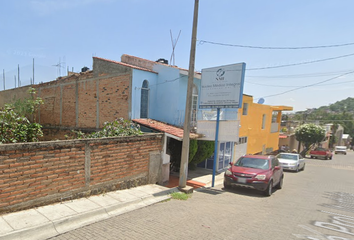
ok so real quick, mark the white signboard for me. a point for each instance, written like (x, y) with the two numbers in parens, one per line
(222, 87)
(228, 130)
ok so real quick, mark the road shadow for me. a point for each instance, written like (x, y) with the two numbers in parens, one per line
(211, 191)
(247, 192)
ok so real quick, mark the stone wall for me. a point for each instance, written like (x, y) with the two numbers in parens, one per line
(35, 174)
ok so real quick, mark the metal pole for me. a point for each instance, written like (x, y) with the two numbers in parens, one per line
(18, 75)
(3, 77)
(33, 73)
(187, 118)
(216, 145)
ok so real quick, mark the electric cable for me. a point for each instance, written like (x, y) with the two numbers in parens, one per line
(306, 86)
(201, 42)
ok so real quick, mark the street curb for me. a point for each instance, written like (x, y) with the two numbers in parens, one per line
(57, 227)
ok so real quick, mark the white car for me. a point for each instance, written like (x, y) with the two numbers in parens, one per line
(291, 161)
(340, 149)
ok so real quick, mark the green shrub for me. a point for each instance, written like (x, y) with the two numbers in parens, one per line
(117, 128)
(204, 151)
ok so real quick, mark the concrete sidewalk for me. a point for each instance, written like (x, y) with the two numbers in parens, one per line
(52, 220)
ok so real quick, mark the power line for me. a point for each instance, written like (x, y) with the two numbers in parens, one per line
(301, 63)
(310, 85)
(201, 42)
(303, 75)
(269, 85)
(293, 64)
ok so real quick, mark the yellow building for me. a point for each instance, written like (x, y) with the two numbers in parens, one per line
(260, 126)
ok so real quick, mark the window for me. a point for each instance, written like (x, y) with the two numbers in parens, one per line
(263, 121)
(194, 107)
(242, 140)
(245, 109)
(275, 117)
(144, 102)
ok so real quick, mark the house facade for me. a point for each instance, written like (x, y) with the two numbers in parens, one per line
(258, 133)
(136, 88)
(260, 126)
(131, 89)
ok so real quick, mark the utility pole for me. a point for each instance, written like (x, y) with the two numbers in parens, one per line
(18, 75)
(32, 82)
(183, 172)
(3, 77)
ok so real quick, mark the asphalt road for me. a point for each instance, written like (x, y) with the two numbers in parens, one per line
(317, 203)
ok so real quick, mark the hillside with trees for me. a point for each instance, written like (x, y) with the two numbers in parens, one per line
(340, 112)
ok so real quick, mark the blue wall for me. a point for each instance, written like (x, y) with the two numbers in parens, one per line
(167, 95)
(138, 78)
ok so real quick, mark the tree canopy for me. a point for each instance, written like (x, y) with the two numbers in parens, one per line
(309, 134)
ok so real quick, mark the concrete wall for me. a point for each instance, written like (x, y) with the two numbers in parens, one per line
(34, 174)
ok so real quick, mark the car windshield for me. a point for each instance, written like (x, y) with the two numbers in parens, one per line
(287, 156)
(253, 163)
(341, 147)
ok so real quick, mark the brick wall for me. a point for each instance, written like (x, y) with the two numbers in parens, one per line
(34, 174)
(82, 100)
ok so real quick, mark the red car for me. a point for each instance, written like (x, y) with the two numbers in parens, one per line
(321, 153)
(255, 171)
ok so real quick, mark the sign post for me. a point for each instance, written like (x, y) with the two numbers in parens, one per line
(221, 87)
(216, 145)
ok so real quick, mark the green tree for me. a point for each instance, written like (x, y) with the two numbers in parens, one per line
(309, 134)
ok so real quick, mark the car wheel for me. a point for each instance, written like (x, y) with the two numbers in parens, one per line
(226, 185)
(326, 158)
(280, 184)
(269, 190)
(297, 169)
(311, 156)
(330, 158)
(303, 168)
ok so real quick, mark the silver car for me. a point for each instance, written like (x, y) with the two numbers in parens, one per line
(291, 161)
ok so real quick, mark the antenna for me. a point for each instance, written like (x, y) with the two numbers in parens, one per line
(60, 65)
(174, 43)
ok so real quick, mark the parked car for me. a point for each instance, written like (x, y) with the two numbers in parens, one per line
(340, 149)
(258, 172)
(291, 161)
(321, 153)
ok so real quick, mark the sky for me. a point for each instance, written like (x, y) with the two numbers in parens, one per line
(297, 53)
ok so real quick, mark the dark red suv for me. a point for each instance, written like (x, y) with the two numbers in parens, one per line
(257, 172)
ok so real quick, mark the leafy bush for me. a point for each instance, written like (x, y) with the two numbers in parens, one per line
(193, 148)
(15, 128)
(28, 106)
(204, 151)
(117, 128)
